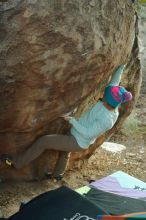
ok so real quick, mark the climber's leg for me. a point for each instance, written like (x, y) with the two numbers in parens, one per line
(61, 165)
(55, 142)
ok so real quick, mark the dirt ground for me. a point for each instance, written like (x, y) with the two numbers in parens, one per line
(101, 163)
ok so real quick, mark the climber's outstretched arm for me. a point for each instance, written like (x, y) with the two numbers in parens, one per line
(116, 78)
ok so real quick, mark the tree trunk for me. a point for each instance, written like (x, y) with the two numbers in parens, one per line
(56, 55)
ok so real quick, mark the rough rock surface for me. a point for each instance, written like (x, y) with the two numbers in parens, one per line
(53, 56)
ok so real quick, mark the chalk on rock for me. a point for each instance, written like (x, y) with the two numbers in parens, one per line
(113, 147)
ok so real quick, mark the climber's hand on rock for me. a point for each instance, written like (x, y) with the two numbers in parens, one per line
(121, 67)
(66, 114)
(67, 118)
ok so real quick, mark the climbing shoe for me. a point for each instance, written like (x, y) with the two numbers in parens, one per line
(6, 159)
(50, 176)
(58, 178)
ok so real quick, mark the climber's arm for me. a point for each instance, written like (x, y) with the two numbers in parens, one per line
(116, 78)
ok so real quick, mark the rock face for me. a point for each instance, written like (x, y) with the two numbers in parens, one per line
(55, 56)
(142, 30)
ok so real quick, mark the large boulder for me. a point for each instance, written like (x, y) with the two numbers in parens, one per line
(55, 56)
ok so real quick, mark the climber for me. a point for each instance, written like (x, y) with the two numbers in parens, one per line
(84, 131)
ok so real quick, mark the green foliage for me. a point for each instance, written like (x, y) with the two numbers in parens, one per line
(142, 1)
(138, 5)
